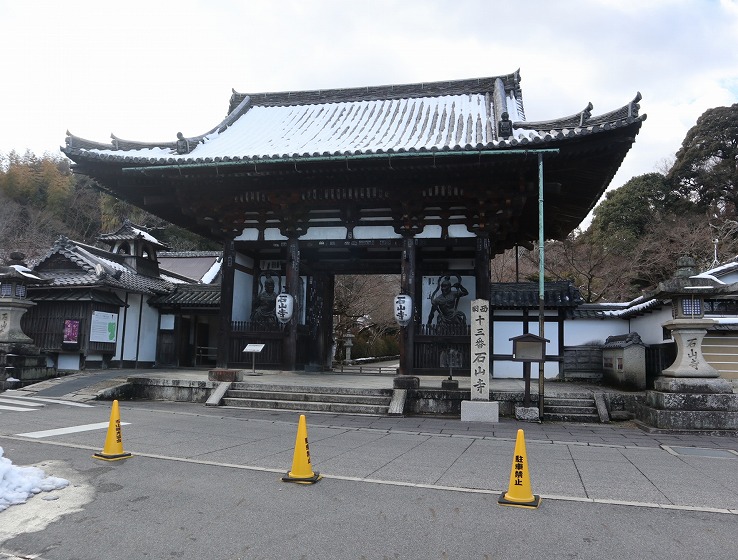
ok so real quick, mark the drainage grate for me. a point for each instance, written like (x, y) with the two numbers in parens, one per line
(701, 452)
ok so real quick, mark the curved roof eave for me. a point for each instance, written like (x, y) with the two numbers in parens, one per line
(530, 139)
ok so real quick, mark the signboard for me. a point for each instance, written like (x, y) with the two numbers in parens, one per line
(254, 347)
(104, 327)
(480, 350)
(71, 332)
(166, 323)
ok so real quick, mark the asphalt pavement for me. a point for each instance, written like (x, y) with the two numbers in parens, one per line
(614, 463)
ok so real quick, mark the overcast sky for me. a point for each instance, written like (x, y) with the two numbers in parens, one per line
(147, 70)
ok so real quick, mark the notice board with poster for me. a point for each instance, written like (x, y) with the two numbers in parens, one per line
(104, 327)
(70, 340)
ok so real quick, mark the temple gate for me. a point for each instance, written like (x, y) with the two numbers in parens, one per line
(427, 181)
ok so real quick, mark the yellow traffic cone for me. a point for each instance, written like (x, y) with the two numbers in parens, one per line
(519, 493)
(113, 449)
(301, 471)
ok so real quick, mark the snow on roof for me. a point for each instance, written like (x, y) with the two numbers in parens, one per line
(145, 235)
(25, 271)
(708, 276)
(338, 128)
(631, 309)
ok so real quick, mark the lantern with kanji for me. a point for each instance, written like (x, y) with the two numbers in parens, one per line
(403, 310)
(284, 307)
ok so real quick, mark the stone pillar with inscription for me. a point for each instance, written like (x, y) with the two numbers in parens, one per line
(480, 408)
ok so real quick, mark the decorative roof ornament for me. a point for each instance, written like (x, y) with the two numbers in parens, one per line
(505, 126)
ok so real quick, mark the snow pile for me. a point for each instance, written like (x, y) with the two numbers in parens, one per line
(17, 484)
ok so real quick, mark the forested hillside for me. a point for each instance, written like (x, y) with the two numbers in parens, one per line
(41, 199)
(641, 228)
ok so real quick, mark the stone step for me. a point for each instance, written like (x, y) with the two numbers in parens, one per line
(579, 418)
(266, 387)
(568, 401)
(570, 409)
(308, 406)
(592, 410)
(357, 398)
(346, 400)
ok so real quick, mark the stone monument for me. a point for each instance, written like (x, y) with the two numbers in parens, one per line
(21, 362)
(689, 395)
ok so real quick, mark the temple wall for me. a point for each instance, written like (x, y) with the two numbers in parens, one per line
(137, 330)
(649, 327)
(585, 332)
(503, 331)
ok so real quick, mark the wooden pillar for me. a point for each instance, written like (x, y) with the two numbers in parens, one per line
(320, 320)
(482, 265)
(408, 286)
(226, 304)
(293, 288)
(326, 323)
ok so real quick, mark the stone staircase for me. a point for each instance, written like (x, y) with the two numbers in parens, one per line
(571, 409)
(345, 400)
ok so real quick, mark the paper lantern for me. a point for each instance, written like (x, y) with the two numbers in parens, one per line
(284, 307)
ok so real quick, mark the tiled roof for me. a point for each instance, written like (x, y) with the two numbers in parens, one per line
(634, 308)
(131, 232)
(524, 295)
(362, 122)
(90, 266)
(594, 310)
(190, 295)
(97, 296)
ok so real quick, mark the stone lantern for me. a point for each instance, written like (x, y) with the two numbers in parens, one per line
(689, 394)
(20, 358)
(348, 342)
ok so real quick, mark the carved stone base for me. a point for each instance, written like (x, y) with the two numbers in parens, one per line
(692, 385)
(681, 404)
(24, 365)
(480, 411)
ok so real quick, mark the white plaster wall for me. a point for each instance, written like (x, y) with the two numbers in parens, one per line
(121, 319)
(148, 336)
(137, 330)
(649, 327)
(68, 361)
(243, 286)
(128, 326)
(578, 332)
(501, 344)
(730, 277)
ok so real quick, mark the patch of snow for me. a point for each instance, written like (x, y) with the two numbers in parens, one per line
(17, 484)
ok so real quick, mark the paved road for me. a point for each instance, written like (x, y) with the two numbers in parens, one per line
(204, 482)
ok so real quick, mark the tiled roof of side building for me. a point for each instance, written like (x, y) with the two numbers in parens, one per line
(525, 295)
(90, 266)
(190, 295)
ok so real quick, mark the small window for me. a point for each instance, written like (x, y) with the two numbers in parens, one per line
(20, 290)
(6, 290)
